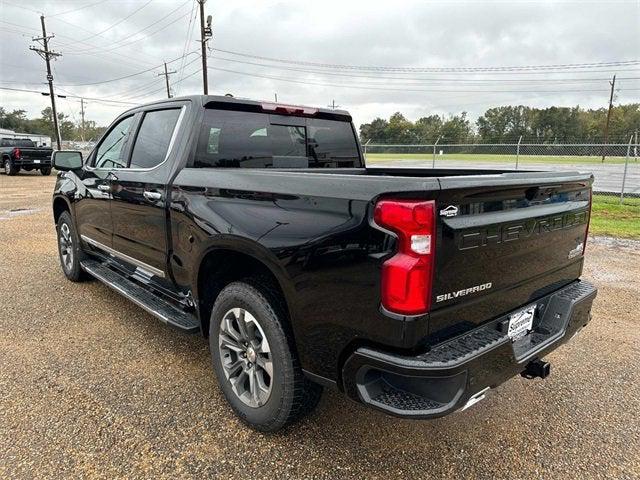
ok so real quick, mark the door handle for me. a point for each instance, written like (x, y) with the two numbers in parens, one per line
(104, 188)
(152, 196)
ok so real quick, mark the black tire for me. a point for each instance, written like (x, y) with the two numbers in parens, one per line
(45, 171)
(9, 167)
(69, 249)
(292, 395)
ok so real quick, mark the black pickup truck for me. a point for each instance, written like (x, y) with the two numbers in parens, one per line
(23, 154)
(259, 226)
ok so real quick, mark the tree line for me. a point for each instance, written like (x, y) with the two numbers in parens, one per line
(507, 124)
(17, 121)
(497, 125)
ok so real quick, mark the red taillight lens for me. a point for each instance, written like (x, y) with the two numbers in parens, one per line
(407, 277)
(16, 153)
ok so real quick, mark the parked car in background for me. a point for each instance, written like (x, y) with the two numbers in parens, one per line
(23, 154)
(413, 291)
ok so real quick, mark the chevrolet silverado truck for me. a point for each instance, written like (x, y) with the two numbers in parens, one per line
(18, 153)
(259, 226)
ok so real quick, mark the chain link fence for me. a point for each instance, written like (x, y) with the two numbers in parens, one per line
(615, 167)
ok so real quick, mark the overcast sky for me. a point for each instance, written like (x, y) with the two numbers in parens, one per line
(108, 39)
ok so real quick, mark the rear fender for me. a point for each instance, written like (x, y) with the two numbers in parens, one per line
(256, 251)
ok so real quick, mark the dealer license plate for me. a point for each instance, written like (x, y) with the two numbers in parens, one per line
(36, 161)
(520, 323)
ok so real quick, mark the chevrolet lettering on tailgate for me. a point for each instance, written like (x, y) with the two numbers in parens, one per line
(521, 230)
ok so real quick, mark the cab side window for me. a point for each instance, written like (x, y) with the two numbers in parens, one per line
(111, 149)
(152, 142)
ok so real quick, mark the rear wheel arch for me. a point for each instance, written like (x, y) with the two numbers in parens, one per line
(221, 266)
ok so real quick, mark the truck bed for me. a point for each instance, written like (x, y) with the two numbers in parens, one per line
(520, 232)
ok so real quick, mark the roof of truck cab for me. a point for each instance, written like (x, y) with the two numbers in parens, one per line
(210, 99)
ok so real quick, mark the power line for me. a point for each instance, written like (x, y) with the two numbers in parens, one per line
(143, 90)
(139, 90)
(21, 6)
(47, 55)
(205, 35)
(143, 95)
(126, 76)
(117, 47)
(566, 66)
(120, 59)
(110, 80)
(82, 118)
(187, 39)
(93, 51)
(79, 8)
(166, 78)
(122, 41)
(364, 87)
(606, 125)
(427, 79)
(112, 25)
(71, 96)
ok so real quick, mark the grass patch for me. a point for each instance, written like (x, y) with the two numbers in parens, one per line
(609, 217)
(492, 157)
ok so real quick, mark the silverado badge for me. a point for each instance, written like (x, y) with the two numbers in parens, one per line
(450, 211)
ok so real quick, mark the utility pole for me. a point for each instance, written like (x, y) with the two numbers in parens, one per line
(82, 118)
(333, 105)
(275, 95)
(166, 78)
(205, 35)
(606, 125)
(47, 55)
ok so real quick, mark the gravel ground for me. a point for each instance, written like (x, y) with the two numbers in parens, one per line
(92, 386)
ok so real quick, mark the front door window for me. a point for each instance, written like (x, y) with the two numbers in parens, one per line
(111, 149)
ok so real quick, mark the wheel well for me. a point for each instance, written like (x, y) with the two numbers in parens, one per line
(221, 267)
(59, 206)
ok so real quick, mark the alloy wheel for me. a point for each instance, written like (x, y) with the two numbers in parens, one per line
(66, 247)
(246, 357)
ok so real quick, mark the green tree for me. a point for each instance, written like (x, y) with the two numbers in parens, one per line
(16, 120)
(66, 126)
(428, 129)
(400, 130)
(506, 124)
(456, 129)
(376, 131)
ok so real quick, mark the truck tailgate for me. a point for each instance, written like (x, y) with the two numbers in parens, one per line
(35, 153)
(504, 241)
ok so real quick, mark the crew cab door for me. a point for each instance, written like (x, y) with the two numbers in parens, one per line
(138, 192)
(92, 207)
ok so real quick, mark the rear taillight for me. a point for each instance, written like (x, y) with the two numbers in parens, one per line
(16, 153)
(407, 277)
